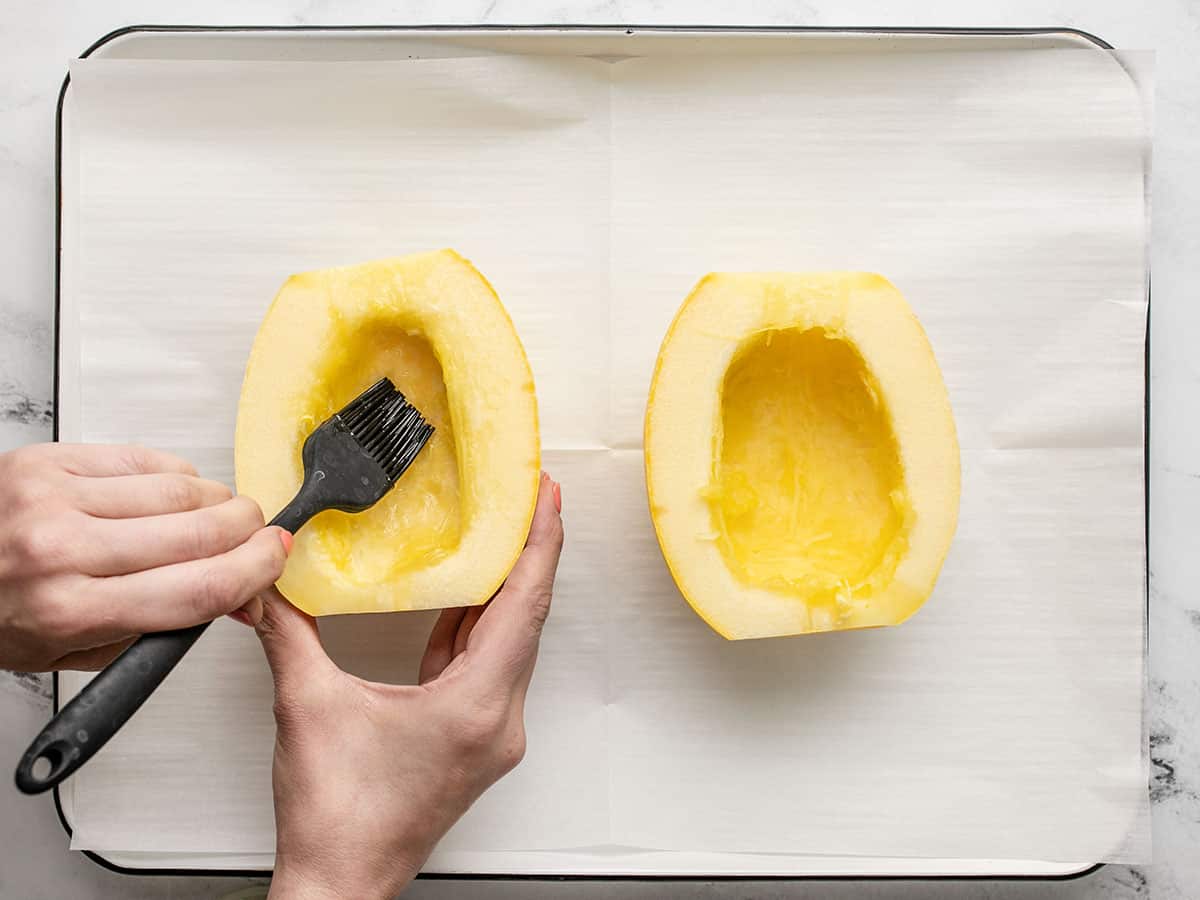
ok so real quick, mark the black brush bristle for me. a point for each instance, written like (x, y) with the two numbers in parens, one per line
(386, 426)
(366, 402)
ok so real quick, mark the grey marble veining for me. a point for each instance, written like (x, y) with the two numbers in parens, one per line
(32, 687)
(16, 406)
(1172, 777)
(37, 40)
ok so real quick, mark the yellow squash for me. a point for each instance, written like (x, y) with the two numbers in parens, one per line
(801, 457)
(450, 530)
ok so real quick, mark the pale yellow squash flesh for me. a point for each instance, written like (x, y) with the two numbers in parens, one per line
(801, 457)
(450, 530)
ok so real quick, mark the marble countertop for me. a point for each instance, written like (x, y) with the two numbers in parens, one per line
(36, 42)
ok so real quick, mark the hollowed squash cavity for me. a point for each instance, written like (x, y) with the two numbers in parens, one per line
(424, 506)
(808, 492)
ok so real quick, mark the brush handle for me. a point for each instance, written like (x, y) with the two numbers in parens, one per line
(309, 501)
(98, 711)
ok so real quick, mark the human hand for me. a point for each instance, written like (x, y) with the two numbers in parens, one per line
(367, 776)
(100, 544)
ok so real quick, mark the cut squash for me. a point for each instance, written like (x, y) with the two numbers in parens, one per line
(801, 458)
(452, 527)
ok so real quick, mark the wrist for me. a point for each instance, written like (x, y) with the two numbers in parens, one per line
(288, 883)
(293, 882)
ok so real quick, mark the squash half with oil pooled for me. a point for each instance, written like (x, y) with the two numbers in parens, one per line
(801, 457)
(450, 530)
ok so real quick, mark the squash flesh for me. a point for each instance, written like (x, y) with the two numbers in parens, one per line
(801, 459)
(808, 494)
(450, 530)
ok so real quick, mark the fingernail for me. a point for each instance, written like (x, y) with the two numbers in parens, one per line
(558, 496)
(239, 615)
(285, 537)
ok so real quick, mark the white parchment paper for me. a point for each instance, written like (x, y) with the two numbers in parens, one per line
(1001, 191)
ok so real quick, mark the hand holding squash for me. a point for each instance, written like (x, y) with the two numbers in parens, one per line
(368, 777)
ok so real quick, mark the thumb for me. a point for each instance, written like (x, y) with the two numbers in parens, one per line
(290, 640)
(504, 641)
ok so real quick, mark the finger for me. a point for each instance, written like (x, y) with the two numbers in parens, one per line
(186, 593)
(250, 614)
(465, 628)
(440, 649)
(504, 641)
(521, 687)
(121, 546)
(291, 641)
(539, 561)
(93, 659)
(156, 494)
(102, 460)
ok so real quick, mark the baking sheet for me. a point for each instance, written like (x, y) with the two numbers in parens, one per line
(1011, 242)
